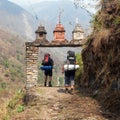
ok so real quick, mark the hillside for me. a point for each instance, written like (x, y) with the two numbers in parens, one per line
(12, 67)
(12, 49)
(101, 57)
(16, 19)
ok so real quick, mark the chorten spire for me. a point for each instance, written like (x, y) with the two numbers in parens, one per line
(77, 20)
(59, 20)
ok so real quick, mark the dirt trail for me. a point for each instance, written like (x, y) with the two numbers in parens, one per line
(52, 103)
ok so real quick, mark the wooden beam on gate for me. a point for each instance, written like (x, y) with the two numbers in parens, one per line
(53, 44)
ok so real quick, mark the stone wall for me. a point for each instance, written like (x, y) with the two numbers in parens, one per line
(31, 65)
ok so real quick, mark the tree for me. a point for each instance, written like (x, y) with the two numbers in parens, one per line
(88, 5)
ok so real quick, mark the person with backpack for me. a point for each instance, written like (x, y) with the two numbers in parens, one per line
(47, 63)
(69, 71)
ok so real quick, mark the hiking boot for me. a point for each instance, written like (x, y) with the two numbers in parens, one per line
(45, 84)
(71, 91)
(66, 90)
(50, 85)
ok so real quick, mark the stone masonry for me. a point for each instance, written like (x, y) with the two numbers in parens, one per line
(31, 62)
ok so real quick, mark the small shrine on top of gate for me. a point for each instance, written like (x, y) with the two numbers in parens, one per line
(59, 39)
(78, 34)
(59, 33)
(41, 35)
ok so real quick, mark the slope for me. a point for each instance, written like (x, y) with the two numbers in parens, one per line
(12, 67)
(16, 19)
(101, 57)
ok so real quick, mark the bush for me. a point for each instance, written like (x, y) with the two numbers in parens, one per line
(20, 108)
(3, 85)
(5, 63)
(117, 20)
(15, 105)
(16, 100)
(79, 72)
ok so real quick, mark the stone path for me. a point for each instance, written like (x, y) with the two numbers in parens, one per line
(54, 104)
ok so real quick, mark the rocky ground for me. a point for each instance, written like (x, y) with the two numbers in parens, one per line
(45, 103)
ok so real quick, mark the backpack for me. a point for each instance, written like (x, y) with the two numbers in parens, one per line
(47, 60)
(71, 57)
(46, 57)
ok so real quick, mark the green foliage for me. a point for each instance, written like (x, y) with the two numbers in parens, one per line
(3, 85)
(14, 71)
(96, 22)
(15, 105)
(20, 108)
(117, 20)
(16, 100)
(5, 63)
(79, 72)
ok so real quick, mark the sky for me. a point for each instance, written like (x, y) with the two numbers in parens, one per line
(25, 2)
(89, 4)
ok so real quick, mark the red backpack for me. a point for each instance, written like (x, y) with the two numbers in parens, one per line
(47, 60)
(46, 57)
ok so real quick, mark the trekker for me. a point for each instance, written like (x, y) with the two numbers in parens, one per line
(69, 71)
(48, 61)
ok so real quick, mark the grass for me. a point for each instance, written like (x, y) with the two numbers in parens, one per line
(117, 20)
(79, 71)
(20, 108)
(15, 105)
(16, 100)
(5, 63)
(3, 86)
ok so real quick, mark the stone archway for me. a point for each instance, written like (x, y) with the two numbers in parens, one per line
(32, 49)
